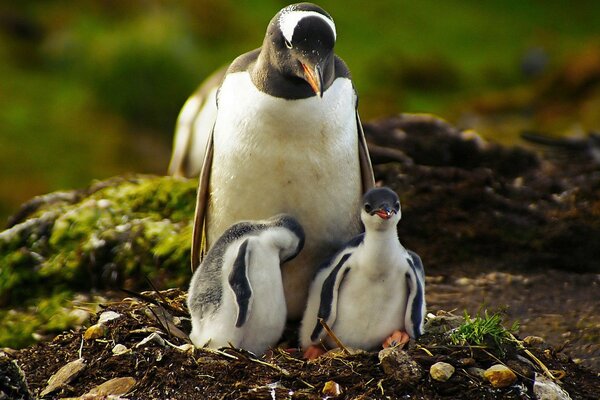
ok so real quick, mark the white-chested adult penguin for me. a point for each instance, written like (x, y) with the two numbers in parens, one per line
(372, 292)
(236, 296)
(287, 139)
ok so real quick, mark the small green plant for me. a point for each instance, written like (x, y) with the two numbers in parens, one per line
(486, 330)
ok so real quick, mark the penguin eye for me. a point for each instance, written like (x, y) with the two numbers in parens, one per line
(288, 44)
(368, 208)
(397, 205)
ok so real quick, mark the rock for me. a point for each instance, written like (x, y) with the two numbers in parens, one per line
(63, 376)
(477, 372)
(545, 389)
(95, 331)
(400, 366)
(534, 341)
(108, 316)
(467, 362)
(114, 387)
(153, 337)
(441, 371)
(500, 376)
(332, 389)
(120, 349)
(13, 384)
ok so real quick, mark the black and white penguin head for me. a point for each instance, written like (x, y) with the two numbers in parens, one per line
(300, 41)
(381, 209)
(293, 226)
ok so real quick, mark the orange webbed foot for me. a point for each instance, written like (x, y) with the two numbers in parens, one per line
(314, 351)
(397, 338)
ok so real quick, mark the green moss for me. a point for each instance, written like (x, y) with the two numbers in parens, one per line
(112, 234)
(19, 327)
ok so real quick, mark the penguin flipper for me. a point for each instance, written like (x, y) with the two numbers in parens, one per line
(329, 296)
(199, 228)
(366, 168)
(193, 127)
(415, 305)
(240, 284)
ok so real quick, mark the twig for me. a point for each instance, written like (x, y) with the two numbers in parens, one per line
(251, 357)
(541, 364)
(534, 358)
(81, 348)
(149, 299)
(332, 335)
(219, 352)
(419, 347)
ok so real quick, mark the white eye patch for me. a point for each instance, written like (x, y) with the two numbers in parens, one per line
(290, 19)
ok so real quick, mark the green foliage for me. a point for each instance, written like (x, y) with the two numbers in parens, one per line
(484, 330)
(128, 227)
(43, 316)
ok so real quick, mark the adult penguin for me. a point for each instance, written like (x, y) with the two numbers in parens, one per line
(287, 138)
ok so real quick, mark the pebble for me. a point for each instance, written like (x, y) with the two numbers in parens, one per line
(332, 389)
(400, 366)
(545, 389)
(477, 372)
(120, 349)
(114, 387)
(533, 341)
(500, 376)
(108, 316)
(63, 376)
(441, 371)
(152, 338)
(467, 362)
(95, 331)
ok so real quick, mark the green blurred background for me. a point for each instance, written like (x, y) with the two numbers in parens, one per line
(91, 89)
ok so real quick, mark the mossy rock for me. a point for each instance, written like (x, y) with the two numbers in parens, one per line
(108, 235)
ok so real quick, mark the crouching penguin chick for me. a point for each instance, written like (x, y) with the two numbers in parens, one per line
(372, 292)
(236, 295)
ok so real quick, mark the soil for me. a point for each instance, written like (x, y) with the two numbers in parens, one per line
(497, 228)
(164, 372)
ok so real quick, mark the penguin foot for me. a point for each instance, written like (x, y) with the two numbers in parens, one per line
(397, 338)
(314, 351)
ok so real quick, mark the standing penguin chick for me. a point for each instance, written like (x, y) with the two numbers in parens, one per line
(236, 296)
(287, 136)
(372, 292)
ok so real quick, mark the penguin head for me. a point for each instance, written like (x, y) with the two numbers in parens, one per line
(300, 41)
(381, 209)
(296, 232)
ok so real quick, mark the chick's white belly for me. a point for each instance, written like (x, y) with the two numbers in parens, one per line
(369, 312)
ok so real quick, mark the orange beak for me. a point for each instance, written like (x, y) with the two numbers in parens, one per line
(314, 77)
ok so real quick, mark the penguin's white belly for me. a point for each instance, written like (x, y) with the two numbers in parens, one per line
(369, 310)
(295, 156)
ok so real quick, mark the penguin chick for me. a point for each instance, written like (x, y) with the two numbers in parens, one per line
(236, 296)
(372, 292)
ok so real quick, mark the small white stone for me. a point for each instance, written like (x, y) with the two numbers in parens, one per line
(545, 389)
(120, 349)
(441, 371)
(153, 337)
(108, 316)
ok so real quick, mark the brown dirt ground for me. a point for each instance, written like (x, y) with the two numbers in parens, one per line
(163, 372)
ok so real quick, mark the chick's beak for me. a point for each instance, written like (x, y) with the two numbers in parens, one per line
(314, 77)
(385, 213)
